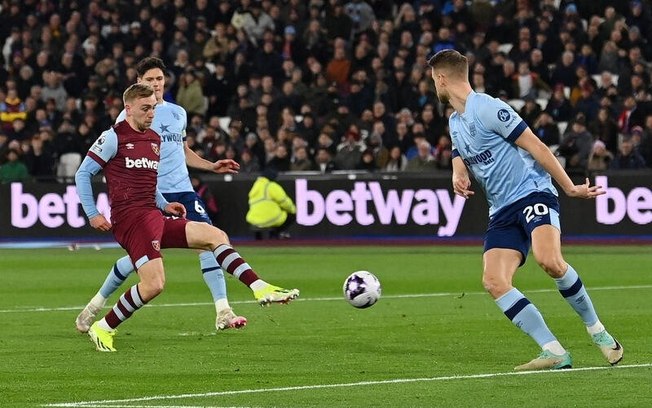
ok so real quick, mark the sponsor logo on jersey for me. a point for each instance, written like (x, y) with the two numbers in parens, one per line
(503, 115)
(485, 157)
(142, 163)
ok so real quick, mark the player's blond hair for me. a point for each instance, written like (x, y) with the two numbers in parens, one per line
(451, 61)
(137, 91)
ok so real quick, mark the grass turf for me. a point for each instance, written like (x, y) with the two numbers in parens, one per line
(434, 338)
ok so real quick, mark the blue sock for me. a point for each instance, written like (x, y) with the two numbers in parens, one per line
(525, 316)
(213, 275)
(571, 288)
(121, 270)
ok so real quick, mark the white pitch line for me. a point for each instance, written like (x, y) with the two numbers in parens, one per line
(103, 403)
(36, 309)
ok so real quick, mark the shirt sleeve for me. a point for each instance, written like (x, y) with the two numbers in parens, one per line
(85, 173)
(497, 116)
(104, 148)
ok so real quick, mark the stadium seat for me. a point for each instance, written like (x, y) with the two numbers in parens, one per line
(67, 166)
(517, 104)
(506, 48)
(562, 128)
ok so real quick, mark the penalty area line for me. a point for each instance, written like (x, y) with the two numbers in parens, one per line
(107, 403)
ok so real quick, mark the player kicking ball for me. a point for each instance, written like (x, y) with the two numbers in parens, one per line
(129, 154)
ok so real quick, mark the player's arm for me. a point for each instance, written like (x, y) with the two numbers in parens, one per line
(542, 154)
(461, 180)
(221, 166)
(173, 208)
(104, 149)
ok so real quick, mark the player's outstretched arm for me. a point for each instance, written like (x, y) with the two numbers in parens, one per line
(461, 180)
(221, 166)
(542, 154)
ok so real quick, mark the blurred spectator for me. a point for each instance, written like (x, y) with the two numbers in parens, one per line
(546, 129)
(605, 129)
(576, 146)
(190, 94)
(13, 168)
(424, 161)
(367, 161)
(559, 106)
(396, 161)
(627, 157)
(443, 153)
(349, 152)
(324, 161)
(599, 158)
(301, 161)
(248, 162)
(530, 110)
(40, 158)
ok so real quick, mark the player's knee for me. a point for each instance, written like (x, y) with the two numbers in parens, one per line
(218, 237)
(495, 285)
(151, 288)
(553, 265)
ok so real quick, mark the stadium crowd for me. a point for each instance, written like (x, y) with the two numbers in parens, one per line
(324, 85)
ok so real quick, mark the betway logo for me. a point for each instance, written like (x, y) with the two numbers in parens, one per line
(367, 204)
(637, 205)
(52, 210)
(143, 163)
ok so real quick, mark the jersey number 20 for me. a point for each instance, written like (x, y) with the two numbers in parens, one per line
(532, 211)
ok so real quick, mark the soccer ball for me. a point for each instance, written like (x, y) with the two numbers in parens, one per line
(362, 289)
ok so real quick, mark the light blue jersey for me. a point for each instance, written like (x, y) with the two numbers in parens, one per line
(483, 136)
(170, 123)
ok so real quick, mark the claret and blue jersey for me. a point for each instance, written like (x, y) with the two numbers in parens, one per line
(170, 124)
(484, 137)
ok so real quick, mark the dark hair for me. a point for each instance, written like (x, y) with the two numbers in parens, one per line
(149, 63)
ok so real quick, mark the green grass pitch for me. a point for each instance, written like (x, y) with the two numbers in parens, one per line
(433, 340)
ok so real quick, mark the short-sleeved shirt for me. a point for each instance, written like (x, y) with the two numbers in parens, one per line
(130, 160)
(484, 137)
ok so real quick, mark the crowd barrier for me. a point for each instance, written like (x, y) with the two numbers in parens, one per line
(349, 206)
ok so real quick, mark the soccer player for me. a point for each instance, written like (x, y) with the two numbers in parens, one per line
(170, 123)
(513, 167)
(129, 154)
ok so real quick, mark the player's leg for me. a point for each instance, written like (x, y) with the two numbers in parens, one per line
(141, 235)
(546, 246)
(204, 236)
(214, 278)
(500, 265)
(152, 281)
(211, 270)
(116, 276)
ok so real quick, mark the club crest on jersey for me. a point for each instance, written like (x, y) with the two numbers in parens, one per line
(129, 146)
(156, 245)
(503, 115)
(155, 149)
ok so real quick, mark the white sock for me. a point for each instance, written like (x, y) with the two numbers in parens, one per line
(104, 325)
(595, 329)
(98, 301)
(222, 304)
(258, 284)
(554, 347)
